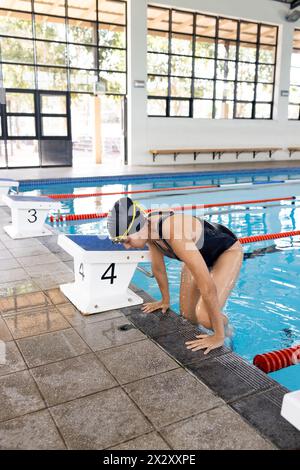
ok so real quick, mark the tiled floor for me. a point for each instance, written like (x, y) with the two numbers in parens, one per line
(78, 382)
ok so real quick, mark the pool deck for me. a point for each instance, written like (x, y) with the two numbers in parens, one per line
(109, 170)
(78, 382)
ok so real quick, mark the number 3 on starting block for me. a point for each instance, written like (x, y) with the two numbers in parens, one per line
(28, 215)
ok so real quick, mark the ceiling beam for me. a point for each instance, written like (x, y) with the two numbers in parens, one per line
(11, 6)
(185, 24)
(295, 4)
(54, 5)
(91, 8)
(158, 19)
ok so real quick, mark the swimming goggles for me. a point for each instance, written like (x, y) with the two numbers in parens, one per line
(122, 238)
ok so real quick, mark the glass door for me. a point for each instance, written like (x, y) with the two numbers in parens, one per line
(54, 128)
(3, 160)
(19, 128)
(35, 129)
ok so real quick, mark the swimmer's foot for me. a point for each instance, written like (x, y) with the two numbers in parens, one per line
(228, 330)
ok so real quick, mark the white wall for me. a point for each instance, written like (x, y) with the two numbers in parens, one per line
(147, 133)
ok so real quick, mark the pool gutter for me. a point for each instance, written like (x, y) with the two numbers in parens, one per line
(165, 175)
(255, 396)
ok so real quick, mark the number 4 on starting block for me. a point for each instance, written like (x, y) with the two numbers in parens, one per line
(28, 215)
(103, 272)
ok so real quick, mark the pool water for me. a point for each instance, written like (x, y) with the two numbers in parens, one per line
(264, 307)
(104, 203)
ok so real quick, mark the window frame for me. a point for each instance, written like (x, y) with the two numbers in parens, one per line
(98, 44)
(291, 103)
(216, 40)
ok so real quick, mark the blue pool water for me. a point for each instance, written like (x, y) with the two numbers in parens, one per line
(264, 307)
(104, 203)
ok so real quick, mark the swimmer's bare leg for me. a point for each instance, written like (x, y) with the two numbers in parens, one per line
(189, 295)
(224, 273)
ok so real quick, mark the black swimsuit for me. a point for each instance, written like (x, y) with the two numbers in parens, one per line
(217, 239)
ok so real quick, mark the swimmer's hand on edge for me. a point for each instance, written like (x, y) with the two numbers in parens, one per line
(207, 342)
(153, 306)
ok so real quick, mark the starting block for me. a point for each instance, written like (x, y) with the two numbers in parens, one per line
(29, 215)
(103, 272)
(5, 185)
(290, 409)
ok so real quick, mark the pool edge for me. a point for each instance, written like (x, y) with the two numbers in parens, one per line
(255, 396)
(163, 175)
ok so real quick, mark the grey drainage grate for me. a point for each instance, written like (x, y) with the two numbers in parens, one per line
(248, 373)
(275, 396)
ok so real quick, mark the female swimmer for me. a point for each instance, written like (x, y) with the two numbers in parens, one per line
(211, 255)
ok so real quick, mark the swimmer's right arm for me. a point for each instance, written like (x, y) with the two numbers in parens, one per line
(160, 274)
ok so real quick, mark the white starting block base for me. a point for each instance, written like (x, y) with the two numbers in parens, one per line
(29, 215)
(290, 409)
(87, 306)
(5, 185)
(16, 235)
(103, 272)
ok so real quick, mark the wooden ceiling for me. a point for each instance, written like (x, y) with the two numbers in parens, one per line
(297, 39)
(206, 25)
(110, 11)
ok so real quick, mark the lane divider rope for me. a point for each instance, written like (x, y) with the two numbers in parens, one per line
(276, 360)
(137, 191)
(268, 236)
(103, 215)
(184, 188)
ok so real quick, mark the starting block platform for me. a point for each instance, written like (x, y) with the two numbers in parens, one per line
(28, 215)
(290, 409)
(5, 185)
(103, 271)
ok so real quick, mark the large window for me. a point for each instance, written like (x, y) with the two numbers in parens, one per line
(64, 45)
(294, 103)
(209, 67)
(54, 50)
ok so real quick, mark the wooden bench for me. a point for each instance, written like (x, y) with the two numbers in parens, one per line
(293, 150)
(215, 152)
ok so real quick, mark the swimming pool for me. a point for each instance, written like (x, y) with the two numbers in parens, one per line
(264, 307)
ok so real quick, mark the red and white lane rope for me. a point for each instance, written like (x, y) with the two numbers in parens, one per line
(102, 215)
(269, 236)
(276, 360)
(137, 191)
(173, 189)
